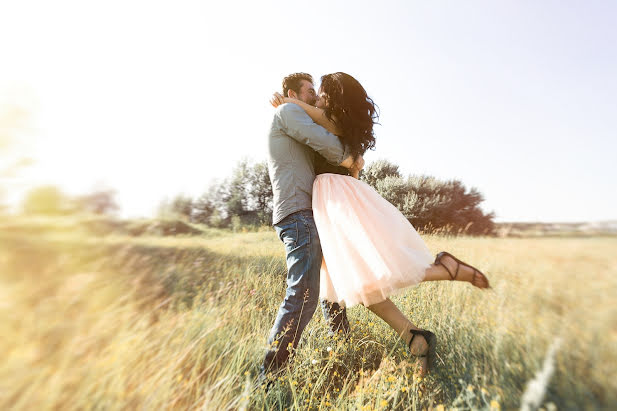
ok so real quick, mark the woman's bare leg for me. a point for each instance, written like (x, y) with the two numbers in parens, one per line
(465, 273)
(436, 273)
(389, 312)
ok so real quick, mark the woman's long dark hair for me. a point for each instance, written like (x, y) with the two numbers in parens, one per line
(351, 109)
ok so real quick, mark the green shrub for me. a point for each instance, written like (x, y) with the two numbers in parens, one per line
(430, 204)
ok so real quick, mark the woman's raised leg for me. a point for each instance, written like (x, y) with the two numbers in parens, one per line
(447, 269)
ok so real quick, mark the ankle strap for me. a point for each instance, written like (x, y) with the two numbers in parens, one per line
(423, 333)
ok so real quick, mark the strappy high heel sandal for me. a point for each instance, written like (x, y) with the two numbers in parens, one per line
(431, 342)
(458, 264)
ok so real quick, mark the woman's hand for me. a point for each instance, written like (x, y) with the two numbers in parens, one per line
(358, 165)
(278, 99)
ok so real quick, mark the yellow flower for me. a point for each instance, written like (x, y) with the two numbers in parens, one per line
(440, 407)
(391, 378)
(495, 405)
(404, 389)
(470, 388)
(384, 403)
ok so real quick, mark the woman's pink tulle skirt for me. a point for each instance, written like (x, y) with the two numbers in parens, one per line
(370, 250)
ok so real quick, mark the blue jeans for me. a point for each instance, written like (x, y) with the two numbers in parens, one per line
(298, 233)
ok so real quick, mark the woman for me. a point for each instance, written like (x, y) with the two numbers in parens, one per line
(370, 249)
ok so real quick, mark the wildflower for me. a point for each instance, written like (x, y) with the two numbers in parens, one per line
(404, 389)
(313, 362)
(329, 349)
(383, 403)
(391, 378)
(470, 388)
(439, 407)
(484, 391)
(495, 405)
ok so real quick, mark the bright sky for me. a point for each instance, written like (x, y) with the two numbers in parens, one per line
(515, 98)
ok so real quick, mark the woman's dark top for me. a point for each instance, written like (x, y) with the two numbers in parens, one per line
(322, 166)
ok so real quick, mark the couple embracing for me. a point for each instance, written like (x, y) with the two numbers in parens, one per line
(344, 243)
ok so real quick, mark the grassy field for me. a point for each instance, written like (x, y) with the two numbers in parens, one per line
(93, 321)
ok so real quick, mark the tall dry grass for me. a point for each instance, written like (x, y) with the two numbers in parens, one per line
(119, 322)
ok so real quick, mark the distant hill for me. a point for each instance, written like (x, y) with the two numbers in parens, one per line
(556, 229)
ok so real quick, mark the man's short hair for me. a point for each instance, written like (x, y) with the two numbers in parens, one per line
(294, 82)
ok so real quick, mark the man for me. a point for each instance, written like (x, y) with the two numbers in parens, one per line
(294, 142)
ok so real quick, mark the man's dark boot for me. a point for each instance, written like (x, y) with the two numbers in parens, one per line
(336, 318)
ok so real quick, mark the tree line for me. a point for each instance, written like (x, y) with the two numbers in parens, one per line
(244, 199)
(430, 204)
